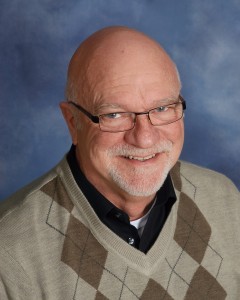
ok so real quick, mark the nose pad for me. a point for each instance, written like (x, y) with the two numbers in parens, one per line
(140, 114)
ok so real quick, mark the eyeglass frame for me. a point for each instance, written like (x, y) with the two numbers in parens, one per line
(96, 118)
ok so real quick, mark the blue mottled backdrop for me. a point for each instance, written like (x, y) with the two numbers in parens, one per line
(38, 37)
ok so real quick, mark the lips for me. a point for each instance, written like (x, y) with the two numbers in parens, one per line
(140, 155)
(140, 158)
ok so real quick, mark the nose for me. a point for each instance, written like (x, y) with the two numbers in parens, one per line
(144, 134)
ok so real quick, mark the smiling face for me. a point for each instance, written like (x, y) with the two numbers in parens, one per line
(128, 73)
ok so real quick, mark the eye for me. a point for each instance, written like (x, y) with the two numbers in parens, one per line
(161, 109)
(112, 115)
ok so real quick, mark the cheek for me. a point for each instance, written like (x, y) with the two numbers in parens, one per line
(177, 139)
(175, 133)
(178, 133)
(97, 143)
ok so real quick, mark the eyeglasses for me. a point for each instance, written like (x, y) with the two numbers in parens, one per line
(123, 121)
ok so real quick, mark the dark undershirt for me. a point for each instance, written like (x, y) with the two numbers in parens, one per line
(117, 220)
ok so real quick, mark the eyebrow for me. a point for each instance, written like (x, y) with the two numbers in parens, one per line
(109, 105)
(165, 101)
(156, 103)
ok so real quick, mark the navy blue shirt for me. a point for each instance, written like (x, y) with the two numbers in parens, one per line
(116, 219)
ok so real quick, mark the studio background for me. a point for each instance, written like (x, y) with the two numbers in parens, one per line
(38, 38)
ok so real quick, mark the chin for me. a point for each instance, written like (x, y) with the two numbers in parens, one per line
(140, 185)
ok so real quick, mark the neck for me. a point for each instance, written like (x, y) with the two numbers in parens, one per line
(135, 206)
(136, 209)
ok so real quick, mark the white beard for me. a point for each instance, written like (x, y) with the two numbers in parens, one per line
(140, 181)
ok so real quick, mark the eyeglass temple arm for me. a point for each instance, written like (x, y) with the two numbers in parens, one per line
(183, 102)
(94, 119)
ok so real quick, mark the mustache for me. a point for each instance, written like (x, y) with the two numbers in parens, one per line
(126, 150)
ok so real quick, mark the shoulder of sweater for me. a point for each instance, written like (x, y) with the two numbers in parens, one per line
(28, 192)
(204, 177)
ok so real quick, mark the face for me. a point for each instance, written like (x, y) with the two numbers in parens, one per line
(134, 162)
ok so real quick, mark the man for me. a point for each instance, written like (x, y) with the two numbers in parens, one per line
(120, 217)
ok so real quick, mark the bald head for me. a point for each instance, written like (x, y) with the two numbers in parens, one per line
(113, 51)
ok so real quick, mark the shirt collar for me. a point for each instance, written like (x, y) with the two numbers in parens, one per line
(98, 202)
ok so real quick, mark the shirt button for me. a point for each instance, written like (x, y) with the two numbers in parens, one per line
(131, 241)
(118, 215)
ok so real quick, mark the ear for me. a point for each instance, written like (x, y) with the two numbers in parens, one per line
(70, 120)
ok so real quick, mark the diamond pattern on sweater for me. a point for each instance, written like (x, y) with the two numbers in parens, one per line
(88, 258)
(178, 264)
(83, 253)
(56, 190)
(193, 235)
(204, 286)
(100, 296)
(192, 231)
(154, 291)
(83, 290)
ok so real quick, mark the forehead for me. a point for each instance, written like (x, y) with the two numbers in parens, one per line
(127, 69)
(134, 90)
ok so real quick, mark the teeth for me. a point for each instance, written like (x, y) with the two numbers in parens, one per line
(141, 158)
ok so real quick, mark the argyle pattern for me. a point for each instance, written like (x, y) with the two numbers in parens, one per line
(100, 274)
